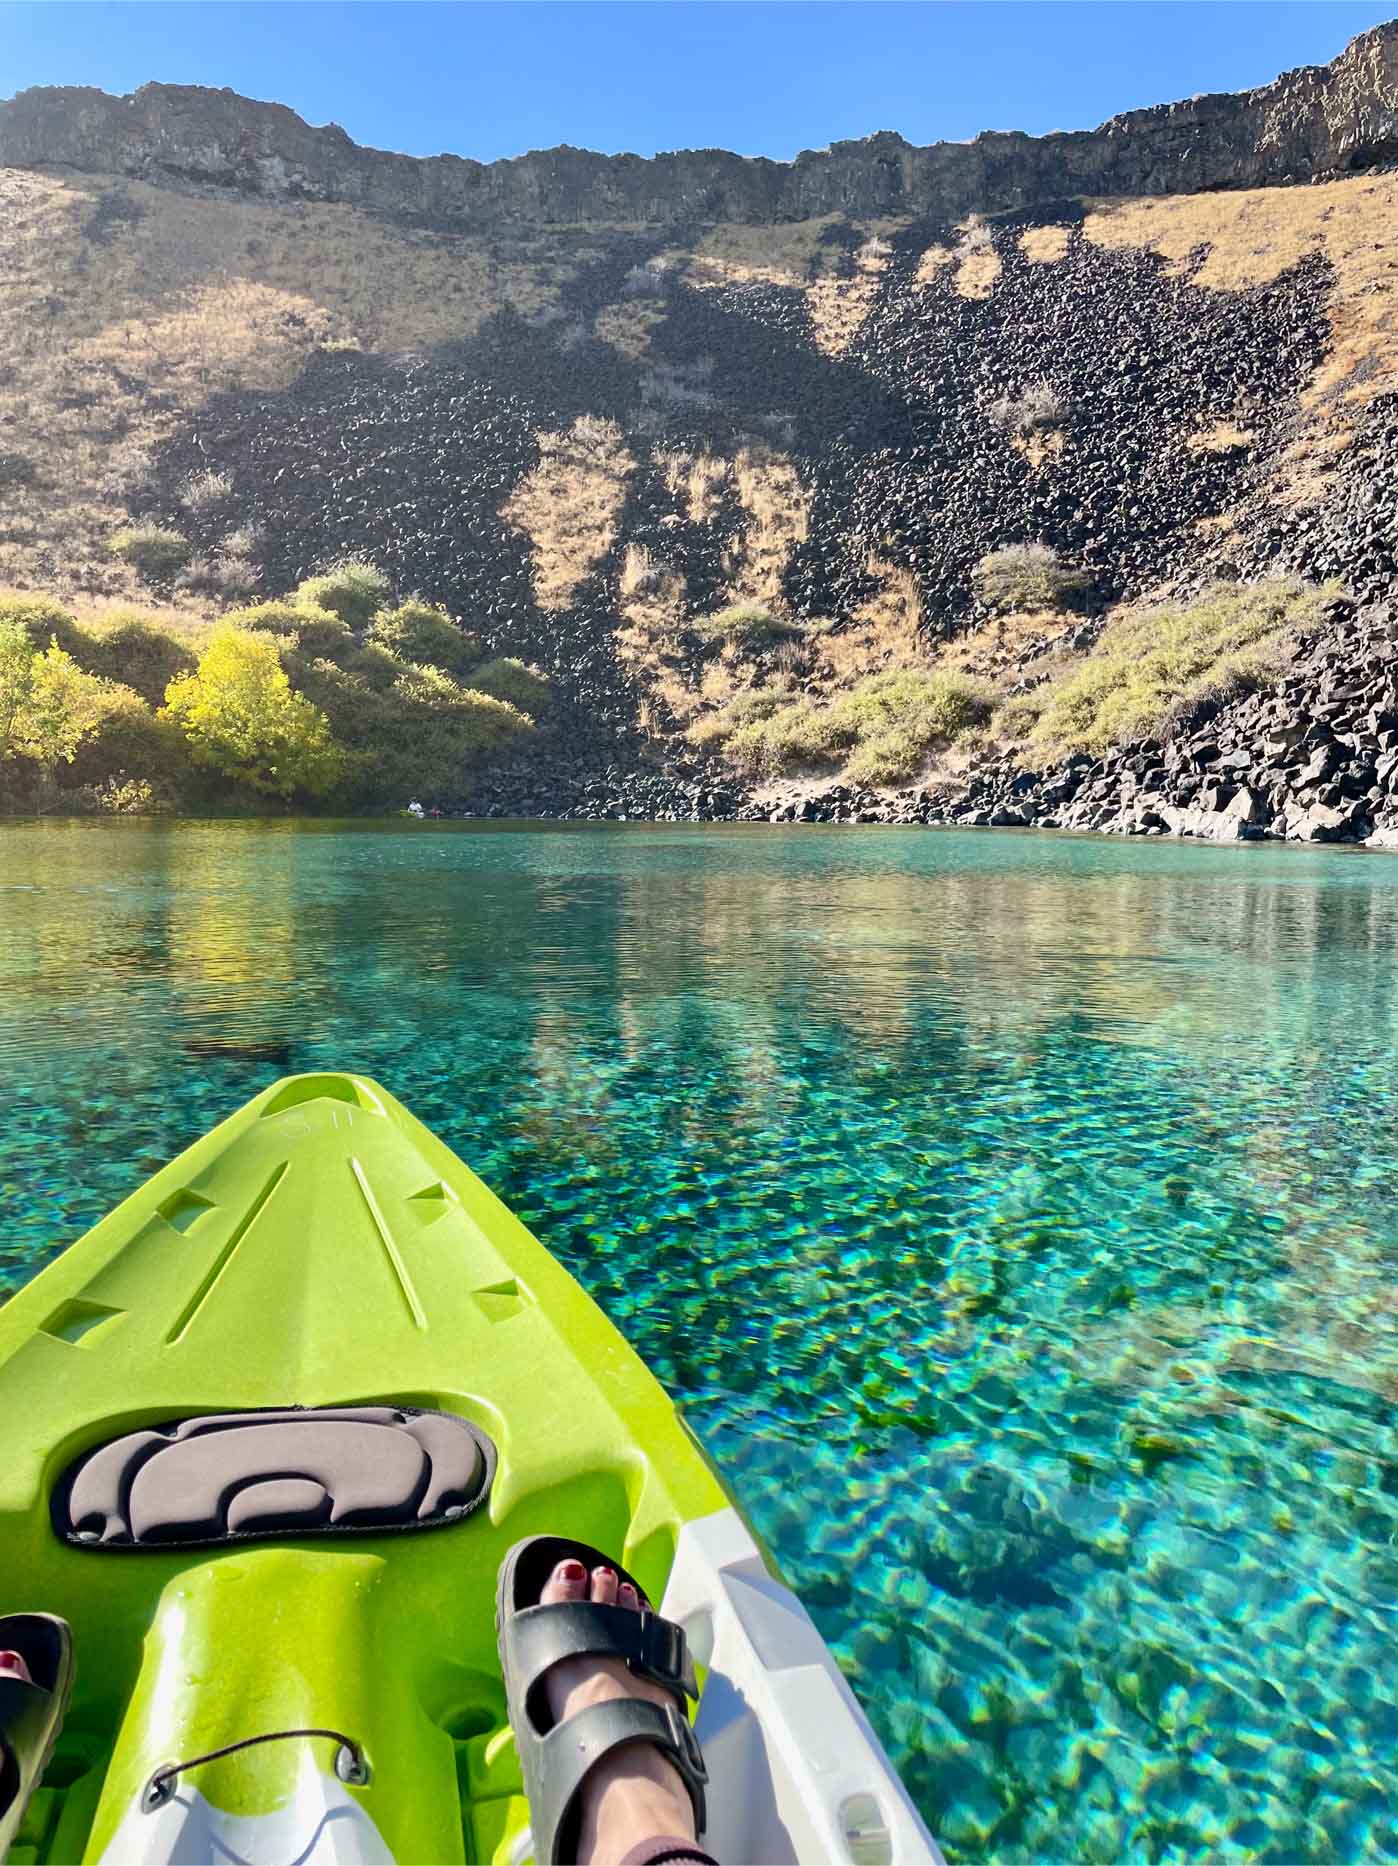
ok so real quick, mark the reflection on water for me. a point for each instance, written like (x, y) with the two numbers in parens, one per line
(1015, 1217)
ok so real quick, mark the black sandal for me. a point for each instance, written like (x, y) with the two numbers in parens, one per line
(31, 1715)
(556, 1759)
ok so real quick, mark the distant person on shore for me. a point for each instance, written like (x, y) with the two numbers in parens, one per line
(415, 808)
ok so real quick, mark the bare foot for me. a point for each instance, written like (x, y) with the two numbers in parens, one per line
(634, 1794)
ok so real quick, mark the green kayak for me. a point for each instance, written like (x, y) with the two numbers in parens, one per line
(270, 1428)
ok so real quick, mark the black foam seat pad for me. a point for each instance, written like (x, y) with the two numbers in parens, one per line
(239, 1476)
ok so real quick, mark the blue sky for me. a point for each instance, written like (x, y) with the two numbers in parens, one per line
(762, 77)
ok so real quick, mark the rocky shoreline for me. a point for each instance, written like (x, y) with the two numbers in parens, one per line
(1314, 759)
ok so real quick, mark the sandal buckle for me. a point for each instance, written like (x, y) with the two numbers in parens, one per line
(684, 1739)
(665, 1653)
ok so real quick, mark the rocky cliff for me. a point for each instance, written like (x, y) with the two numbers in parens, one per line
(1320, 120)
(746, 450)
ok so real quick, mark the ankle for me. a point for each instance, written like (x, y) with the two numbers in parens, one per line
(638, 1796)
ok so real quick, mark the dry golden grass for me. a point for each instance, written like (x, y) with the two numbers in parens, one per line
(1041, 445)
(788, 254)
(777, 509)
(977, 273)
(569, 505)
(627, 326)
(1224, 437)
(1218, 526)
(795, 255)
(653, 613)
(1044, 246)
(1255, 235)
(1004, 644)
(883, 632)
(838, 306)
(932, 265)
(699, 479)
(106, 341)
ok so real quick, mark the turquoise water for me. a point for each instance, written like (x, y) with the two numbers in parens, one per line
(1015, 1217)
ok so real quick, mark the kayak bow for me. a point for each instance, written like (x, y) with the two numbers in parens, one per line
(269, 1429)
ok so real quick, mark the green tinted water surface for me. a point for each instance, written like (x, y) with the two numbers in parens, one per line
(1015, 1217)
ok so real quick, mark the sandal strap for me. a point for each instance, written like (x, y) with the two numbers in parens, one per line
(536, 1638)
(574, 1747)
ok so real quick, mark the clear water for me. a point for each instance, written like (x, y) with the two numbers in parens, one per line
(1017, 1218)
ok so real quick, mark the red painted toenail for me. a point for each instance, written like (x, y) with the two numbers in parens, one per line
(572, 1571)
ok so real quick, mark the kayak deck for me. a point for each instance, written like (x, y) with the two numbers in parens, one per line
(321, 1248)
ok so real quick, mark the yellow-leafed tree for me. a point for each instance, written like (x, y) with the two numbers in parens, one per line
(48, 705)
(241, 718)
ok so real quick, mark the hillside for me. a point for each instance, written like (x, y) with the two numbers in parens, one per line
(730, 484)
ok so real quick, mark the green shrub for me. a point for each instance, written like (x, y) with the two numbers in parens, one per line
(751, 704)
(1150, 662)
(884, 728)
(355, 592)
(41, 616)
(423, 635)
(1027, 577)
(242, 719)
(800, 733)
(320, 635)
(155, 551)
(135, 650)
(272, 618)
(129, 738)
(524, 687)
(422, 734)
(375, 667)
(314, 632)
(748, 627)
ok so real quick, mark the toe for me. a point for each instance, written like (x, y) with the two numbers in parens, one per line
(604, 1586)
(626, 1596)
(567, 1582)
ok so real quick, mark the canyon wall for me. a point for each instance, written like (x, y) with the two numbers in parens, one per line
(1320, 120)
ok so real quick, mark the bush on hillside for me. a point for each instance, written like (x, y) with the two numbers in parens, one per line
(1038, 406)
(506, 679)
(885, 728)
(40, 616)
(48, 706)
(420, 735)
(231, 579)
(353, 591)
(321, 634)
(134, 649)
(747, 627)
(1151, 662)
(424, 635)
(242, 541)
(204, 492)
(155, 551)
(129, 737)
(751, 704)
(1027, 576)
(278, 617)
